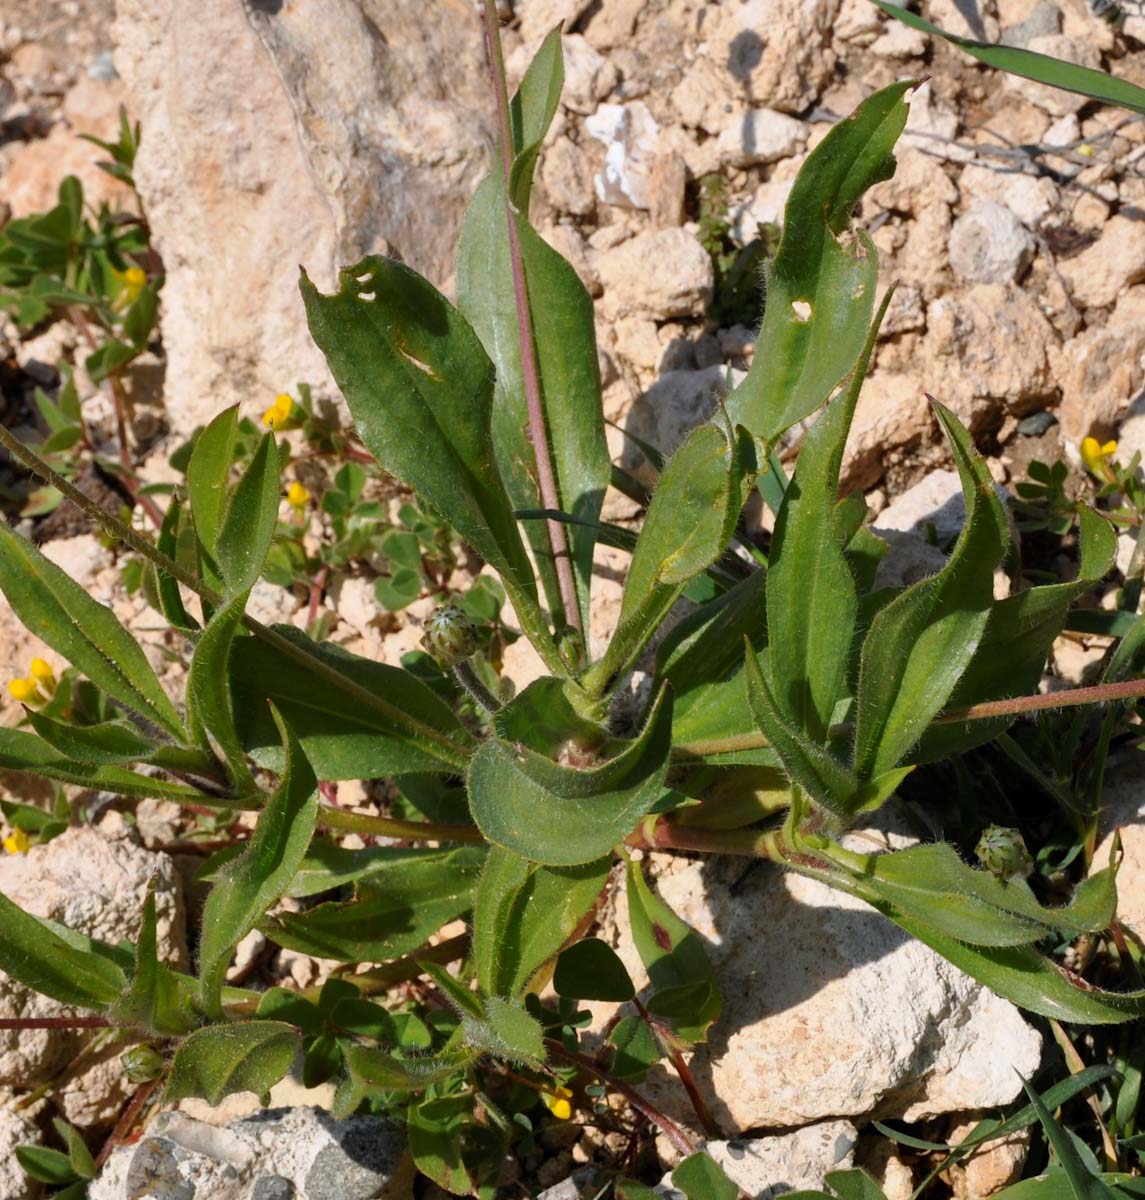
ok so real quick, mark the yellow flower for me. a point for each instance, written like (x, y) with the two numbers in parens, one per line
(131, 283)
(1095, 455)
(42, 673)
(557, 1102)
(25, 691)
(281, 414)
(297, 496)
(17, 842)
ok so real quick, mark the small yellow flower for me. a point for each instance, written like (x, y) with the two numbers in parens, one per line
(42, 673)
(1095, 456)
(557, 1102)
(1085, 150)
(25, 691)
(17, 842)
(281, 414)
(131, 283)
(297, 496)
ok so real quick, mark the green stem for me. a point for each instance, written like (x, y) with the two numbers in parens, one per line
(446, 748)
(426, 831)
(468, 678)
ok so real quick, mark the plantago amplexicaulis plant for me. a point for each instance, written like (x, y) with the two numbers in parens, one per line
(490, 412)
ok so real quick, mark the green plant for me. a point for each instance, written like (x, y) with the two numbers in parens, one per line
(799, 673)
(738, 294)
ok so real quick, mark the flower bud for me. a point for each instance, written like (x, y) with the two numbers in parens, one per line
(1003, 853)
(450, 636)
(142, 1063)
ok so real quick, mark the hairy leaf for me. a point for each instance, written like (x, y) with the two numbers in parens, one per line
(218, 1060)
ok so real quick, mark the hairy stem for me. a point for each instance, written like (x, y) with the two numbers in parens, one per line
(449, 750)
(530, 373)
(425, 831)
(468, 678)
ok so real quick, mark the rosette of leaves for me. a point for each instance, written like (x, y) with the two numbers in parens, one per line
(796, 689)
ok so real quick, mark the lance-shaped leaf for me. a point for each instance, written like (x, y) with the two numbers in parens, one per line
(41, 958)
(1019, 634)
(107, 743)
(57, 610)
(674, 957)
(248, 527)
(249, 884)
(561, 815)
(524, 913)
(1042, 68)
(23, 751)
(209, 705)
(920, 645)
(214, 1062)
(327, 865)
(408, 730)
(564, 337)
(820, 292)
(689, 522)
(208, 479)
(396, 910)
(932, 884)
(812, 600)
(420, 388)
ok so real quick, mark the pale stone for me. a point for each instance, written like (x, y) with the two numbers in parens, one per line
(260, 163)
(31, 181)
(1123, 812)
(359, 1158)
(986, 1172)
(919, 182)
(767, 205)
(566, 177)
(1101, 371)
(540, 17)
(892, 419)
(96, 885)
(1099, 274)
(858, 1018)
(589, 76)
(970, 363)
(988, 244)
(899, 41)
(707, 96)
(1028, 197)
(661, 272)
(17, 1128)
(630, 136)
(760, 135)
(765, 1167)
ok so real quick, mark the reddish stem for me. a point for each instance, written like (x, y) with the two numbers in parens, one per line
(54, 1023)
(664, 1037)
(123, 1126)
(530, 374)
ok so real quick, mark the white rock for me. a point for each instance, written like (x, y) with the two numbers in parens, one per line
(540, 17)
(630, 135)
(994, 1167)
(1101, 371)
(1063, 132)
(675, 404)
(767, 206)
(261, 162)
(17, 1128)
(899, 41)
(989, 244)
(853, 1017)
(760, 135)
(1098, 275)
(660, 272)
(764, 1167)
(315, 1157)
(920, 182)
(932, 128)
(96, 885)
(1028, 197)
(567, 178)
(935, 500)
(1123, 810)
(707, 96)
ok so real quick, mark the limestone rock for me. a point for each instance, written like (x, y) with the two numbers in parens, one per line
(630, 136)
(262, 162)
(988, 244)
(17, 1128)
(764, 1167)
(1123, 809)
(539, 17)
(1098, 275)
(707, 96)
(567, 178)
(994, 1167)
(919, 182)
(969, 347)
(96, 885)
(854, 1017)
(293, 1152)
(660, 272)
(31, 181)
(892, 418)
(1028, 197)
(1102, 370)
(760, 135)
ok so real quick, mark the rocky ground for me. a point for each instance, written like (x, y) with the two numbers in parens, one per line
(1013, 229)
